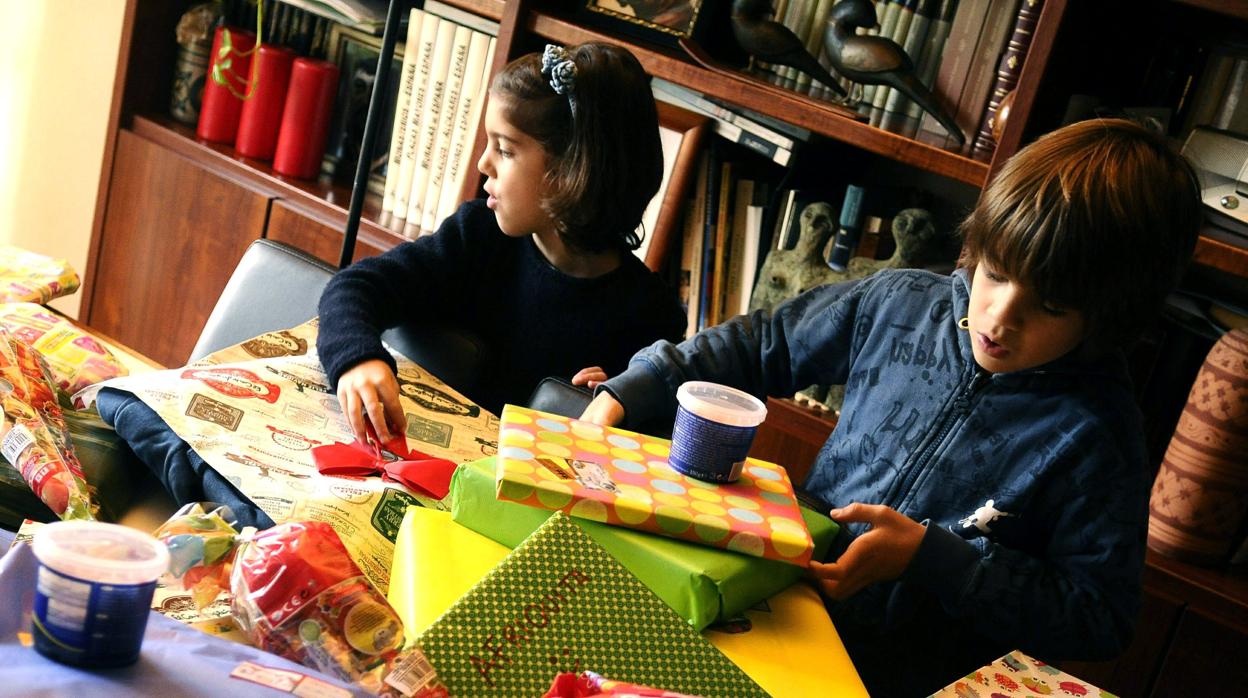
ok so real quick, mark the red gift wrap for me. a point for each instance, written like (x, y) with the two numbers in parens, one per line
(220, 110)
(305, 118)
(262, 113)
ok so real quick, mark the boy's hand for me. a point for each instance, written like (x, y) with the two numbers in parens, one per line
(590, 377)
(604, 410)
(370, 391)
(880, 554)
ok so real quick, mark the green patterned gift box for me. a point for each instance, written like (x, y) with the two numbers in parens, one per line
(560, 602)
(702, 584)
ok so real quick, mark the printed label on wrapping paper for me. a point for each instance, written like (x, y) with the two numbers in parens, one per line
(17, 440)
(388, 515)
(288, 681)
(588, 473)
(413, 675)
(428, 431)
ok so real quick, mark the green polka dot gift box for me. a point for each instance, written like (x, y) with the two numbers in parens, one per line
(623, 478)
(559, 602)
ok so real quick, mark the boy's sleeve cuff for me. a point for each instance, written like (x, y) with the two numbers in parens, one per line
(639, 390)
(943, 564)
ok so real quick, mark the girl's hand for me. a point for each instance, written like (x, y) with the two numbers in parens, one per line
(370, 391)
(590, 377)
(604, 410)
(880, 554)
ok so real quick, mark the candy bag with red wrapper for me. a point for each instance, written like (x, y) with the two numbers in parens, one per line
(33, 435)
(297, 593)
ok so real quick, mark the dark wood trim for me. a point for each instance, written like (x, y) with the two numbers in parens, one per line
(1029, 81)
(667, 225)
(1221, 255)
(106, 164)
(493, 9)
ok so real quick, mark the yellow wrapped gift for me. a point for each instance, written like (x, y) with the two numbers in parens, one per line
(792, 649)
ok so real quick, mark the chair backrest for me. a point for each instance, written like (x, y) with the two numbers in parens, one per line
(276, 286)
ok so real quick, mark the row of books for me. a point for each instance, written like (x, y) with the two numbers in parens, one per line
(968, 52)
(767, 136)
(442, 88)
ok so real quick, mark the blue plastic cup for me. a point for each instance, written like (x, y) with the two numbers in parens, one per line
(715, 426)
(93, 592)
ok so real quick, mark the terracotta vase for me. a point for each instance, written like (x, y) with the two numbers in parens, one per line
(1200, 495)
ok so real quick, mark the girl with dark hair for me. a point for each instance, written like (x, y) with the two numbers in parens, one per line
(542, 270)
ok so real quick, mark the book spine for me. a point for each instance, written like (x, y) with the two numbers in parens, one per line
(955, 62)
(428, 136)
(916, 38)
(736, 134)
(723, 246)
(699, 103)
(849, 230)
(710, 217)
(695, 224)
(467, 118)
(753, 245)
(813, 40)
(988, 49)
(415, 112)
(734, 284)
(446, 127)
(401, 106)
(1007, 75)
(925, 70)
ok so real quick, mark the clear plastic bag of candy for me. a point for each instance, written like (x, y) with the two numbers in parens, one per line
(202, 540)
(298, 594)
(33, 435)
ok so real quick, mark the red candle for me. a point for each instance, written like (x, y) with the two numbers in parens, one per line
(262, 113)
(219, 112)
(305, 118)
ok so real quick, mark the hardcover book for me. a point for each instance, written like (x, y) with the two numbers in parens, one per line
(559, 602)
(623, 478)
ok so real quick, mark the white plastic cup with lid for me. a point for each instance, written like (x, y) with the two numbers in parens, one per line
(715, 426)
(93, 592)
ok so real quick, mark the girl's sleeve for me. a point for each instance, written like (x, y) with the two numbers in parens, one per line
(378, 293)
(806, 341)
(1080, 599)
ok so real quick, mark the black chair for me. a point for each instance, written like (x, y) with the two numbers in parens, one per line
(276, 286)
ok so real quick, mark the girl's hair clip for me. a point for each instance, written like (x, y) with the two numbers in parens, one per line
(559, 69)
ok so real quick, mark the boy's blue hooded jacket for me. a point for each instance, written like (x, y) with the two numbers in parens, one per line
(1033, 484)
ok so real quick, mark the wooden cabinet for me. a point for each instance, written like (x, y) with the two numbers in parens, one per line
(295, 227)
(171, 236)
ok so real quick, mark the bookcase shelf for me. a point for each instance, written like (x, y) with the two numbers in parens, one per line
(327, 202)
(791, 106)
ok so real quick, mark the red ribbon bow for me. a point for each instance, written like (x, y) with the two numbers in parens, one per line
(416, 471)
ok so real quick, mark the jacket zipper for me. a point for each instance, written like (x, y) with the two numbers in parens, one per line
(961, 405)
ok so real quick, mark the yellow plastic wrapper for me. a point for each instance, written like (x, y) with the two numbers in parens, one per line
(28, 276)
(33, 435)
(75, 358)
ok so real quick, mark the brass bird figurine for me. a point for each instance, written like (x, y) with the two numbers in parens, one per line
(773, 42)
(874, 60)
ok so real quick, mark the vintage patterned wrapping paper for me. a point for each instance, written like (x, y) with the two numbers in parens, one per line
(623, 478)
(254, 411)
(1016, 674)
(28, 276)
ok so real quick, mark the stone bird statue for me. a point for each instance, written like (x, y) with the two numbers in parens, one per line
(773, 42)
(874, 60)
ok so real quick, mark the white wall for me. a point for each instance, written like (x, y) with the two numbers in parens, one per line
(58, 59)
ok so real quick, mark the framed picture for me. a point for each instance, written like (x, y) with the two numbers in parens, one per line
(682, 132)
(658, 21)
(356, 53)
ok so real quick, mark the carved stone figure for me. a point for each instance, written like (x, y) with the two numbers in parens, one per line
(787, 273)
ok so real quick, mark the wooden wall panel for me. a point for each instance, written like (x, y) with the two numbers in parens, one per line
(172, 234)
(292, 226)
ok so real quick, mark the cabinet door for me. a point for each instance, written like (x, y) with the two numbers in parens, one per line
(293, 227)
(172, 234)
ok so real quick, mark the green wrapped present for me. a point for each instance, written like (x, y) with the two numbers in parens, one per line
(559, 602)
(704, 585)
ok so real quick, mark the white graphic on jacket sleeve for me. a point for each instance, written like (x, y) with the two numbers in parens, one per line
(983, 517)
